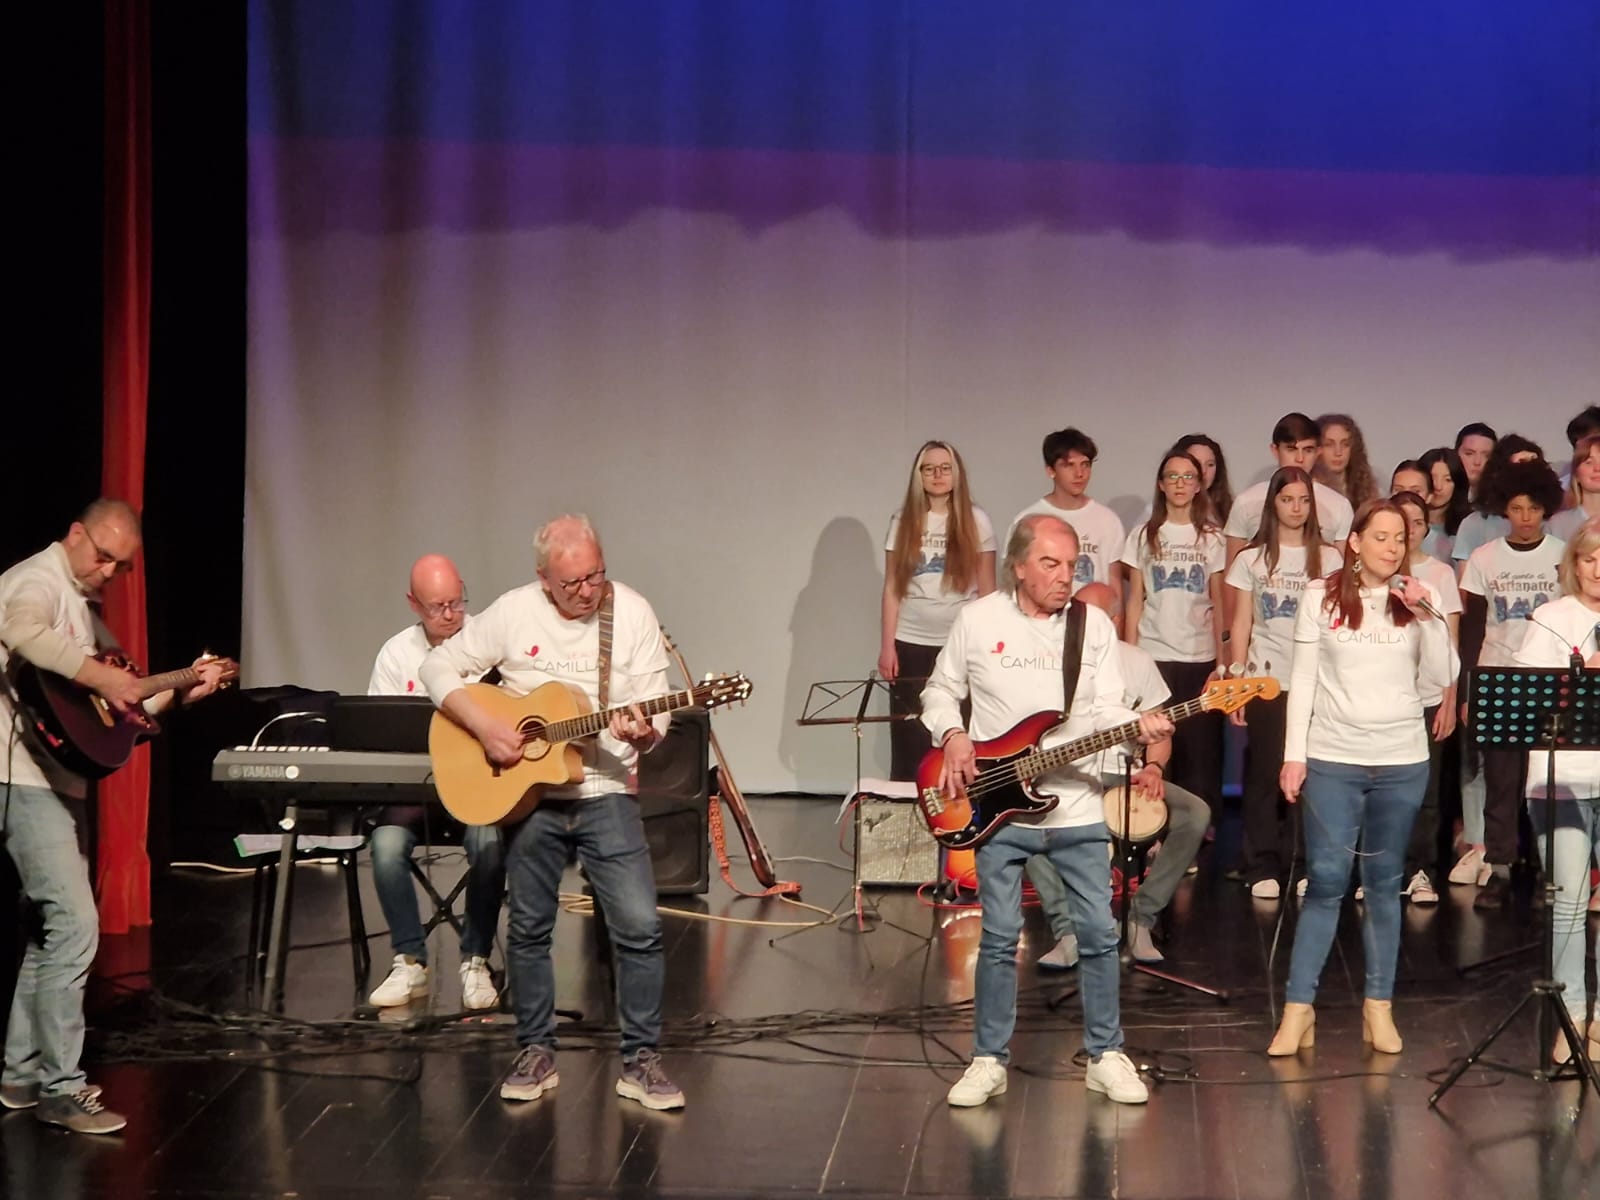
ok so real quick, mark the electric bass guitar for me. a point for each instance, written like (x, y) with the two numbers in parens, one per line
(552, 719)
(81, 729)
(1009, 763)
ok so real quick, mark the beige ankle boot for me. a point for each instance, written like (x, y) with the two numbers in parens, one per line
(1297, 1030)
(1377, 1027)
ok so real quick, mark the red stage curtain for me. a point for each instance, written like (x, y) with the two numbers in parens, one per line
(124, 865)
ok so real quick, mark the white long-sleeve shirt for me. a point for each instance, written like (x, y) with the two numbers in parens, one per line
(1010, 665)
(532, 643)
(1569, 625)
(397, 671)
(1356, 695)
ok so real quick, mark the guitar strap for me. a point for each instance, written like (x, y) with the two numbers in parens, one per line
(1072, 654)
(605, 649)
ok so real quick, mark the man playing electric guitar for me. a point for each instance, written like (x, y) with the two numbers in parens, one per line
(1005, 652)
(544, 632)
(45, 618)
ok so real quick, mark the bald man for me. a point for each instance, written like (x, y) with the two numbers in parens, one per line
(439, 599)
(45, 618)
(549, 631)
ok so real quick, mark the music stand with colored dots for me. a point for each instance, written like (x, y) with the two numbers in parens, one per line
(1536, 709)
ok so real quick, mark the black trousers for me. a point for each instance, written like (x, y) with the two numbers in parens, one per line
(1268, 824)
(909, 741)
(1197, 743)
(1423, 852)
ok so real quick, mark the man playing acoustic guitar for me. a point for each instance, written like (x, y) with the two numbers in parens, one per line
(1006, 651)
(550, 631)
(45, 619)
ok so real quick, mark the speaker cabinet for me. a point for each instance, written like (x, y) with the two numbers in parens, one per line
(674, 785)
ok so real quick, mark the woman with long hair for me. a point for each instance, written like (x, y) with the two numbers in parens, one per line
(1582, 501)
(1356, 753)
(1213, 470)
(1342, 458)
(1449, 499)
(1172, 608)
(1268, 578)
(1573, 620)
(940, 554)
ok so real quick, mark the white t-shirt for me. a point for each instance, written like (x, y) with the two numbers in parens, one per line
(1437, 543)
(526, 636)
(1274, 603)
(396, 671)
(1334, 513)
(1356, 696)
(1010, 666)
(928, 607)
(1442, 579)
(1513, 584)
(1476, 530)
(1142, 689)
(1176, 624)
(1566, 523)
(1573, 626)
(1100, 537)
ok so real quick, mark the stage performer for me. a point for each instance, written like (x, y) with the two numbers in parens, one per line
(438, 597)
(47, 619)
(1005, 652)
(1342, 461)
(1356, 751)
(548, 631)
(1069, 456)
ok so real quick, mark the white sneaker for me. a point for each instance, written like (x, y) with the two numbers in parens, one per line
(407, 978)
(1300, 888)
(1468, 867)
(1114, 1074)
(477, 985)
(984, 1077)
(1266, 889)
(1420, 889)
(1063, 956)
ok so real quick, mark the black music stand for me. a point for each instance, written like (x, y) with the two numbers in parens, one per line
(1534, 709)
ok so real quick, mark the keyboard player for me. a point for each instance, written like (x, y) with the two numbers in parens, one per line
(439, 599)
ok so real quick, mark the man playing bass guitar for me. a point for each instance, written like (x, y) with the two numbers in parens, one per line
(1005, 652)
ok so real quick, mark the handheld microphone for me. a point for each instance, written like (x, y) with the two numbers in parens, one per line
(1397, 584)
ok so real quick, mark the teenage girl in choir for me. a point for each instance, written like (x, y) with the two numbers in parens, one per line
(1214, 471)
(1268, 579)
(1503, 585)
(1573, 621)
(1448, 502)
(1583, 492)
(1356, 754)
(1172, 608)
(940, 554)
(1487, 520)
(1438, 705)
(1342, 459)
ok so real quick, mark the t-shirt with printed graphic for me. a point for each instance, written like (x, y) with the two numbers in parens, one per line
(1177, 623)
(1334, 513)
(395, 672)
(1513, 583)
(1100, 538)
(928, 608)
(1274, 601)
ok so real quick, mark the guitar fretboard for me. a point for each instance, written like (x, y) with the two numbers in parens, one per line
(1040, 761)
(152, 685)
(593, 723)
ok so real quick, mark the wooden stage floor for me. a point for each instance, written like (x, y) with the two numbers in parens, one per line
(814, 1063)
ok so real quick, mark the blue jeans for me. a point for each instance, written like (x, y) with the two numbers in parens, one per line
(1078, 854)
(608, 835)
(1577, 836)
(44, 1038)
(1346, 807)
(391, 847)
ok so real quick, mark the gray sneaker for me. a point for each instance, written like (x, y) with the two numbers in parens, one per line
(80, 1112)
(1142, 945)
(531, 1076)
(26, 1095)
(1063, 956)
(643, 1079)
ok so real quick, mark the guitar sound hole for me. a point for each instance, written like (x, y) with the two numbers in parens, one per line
(535, 746)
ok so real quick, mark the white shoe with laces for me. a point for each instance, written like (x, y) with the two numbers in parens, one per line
(407, 979)
(984, 1077)
(1419, 889)
(1468, 867)
(1266, 889)
(477, 985)
(1114, 1074)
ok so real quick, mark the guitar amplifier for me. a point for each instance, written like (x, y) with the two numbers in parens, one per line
(893, 845)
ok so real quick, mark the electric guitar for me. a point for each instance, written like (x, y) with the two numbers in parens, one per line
(81, 729)
(551, 720)
(1009, 763)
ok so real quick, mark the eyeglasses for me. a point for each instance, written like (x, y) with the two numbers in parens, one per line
(105, 558)
(1175, 477)
(573, 586)
(937, 469)
(445, 607)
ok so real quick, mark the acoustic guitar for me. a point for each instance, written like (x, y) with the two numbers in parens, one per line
(552, 719)
(1008, 764)
(81, 729)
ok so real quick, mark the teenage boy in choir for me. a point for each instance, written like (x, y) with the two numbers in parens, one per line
(1069, 456)
(1296, 439)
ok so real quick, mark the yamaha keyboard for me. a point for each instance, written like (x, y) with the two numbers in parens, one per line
(318, 774)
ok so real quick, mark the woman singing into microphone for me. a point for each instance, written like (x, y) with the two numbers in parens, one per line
(1365, 652)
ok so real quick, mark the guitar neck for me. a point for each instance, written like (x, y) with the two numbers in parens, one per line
(593, 723)
(152, 685)
(1041, 761)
